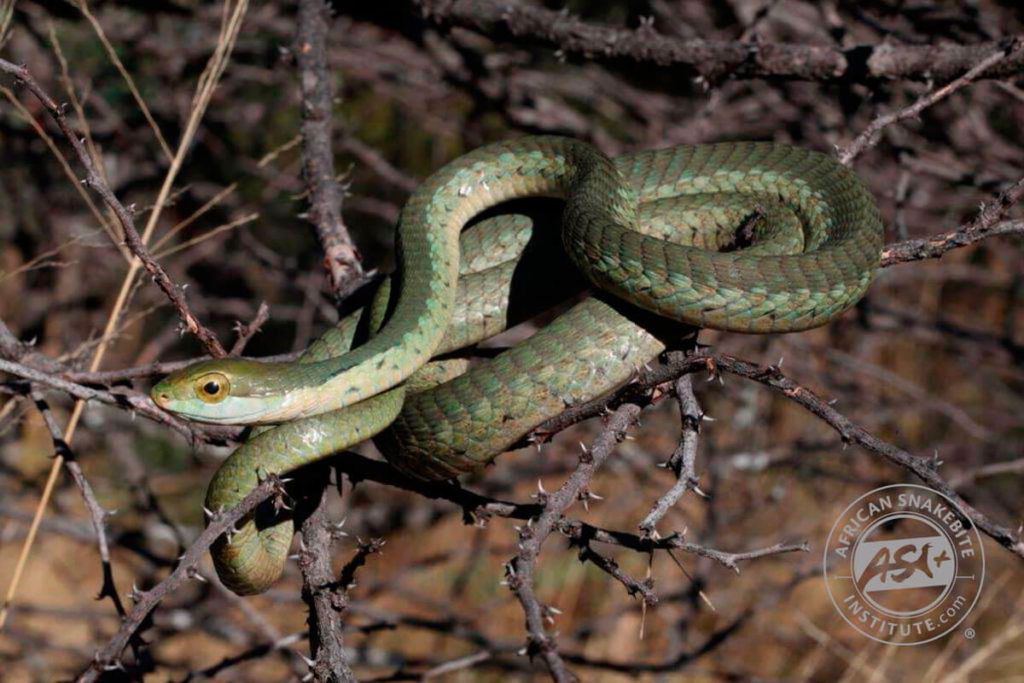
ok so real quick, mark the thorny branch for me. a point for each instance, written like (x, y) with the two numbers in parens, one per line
(520, 570)
(96, 513)
(108, 658)
(683, 459)
(924, 468)
(340, 255)
(715, 60)
(124, 215)
(869, 136)
(326, 598)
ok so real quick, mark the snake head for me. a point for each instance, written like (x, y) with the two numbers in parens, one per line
(223, 391)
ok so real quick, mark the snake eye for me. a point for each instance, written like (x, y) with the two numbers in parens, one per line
(212, 387)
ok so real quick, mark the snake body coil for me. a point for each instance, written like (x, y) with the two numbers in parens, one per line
(748, 237)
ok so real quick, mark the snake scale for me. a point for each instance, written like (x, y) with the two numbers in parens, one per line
(748, 237)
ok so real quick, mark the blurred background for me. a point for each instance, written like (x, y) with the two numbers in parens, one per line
(930, 361)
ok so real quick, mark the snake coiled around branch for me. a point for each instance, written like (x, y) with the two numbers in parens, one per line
(747, 237)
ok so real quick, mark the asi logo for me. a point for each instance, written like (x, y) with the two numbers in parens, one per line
(904, 565)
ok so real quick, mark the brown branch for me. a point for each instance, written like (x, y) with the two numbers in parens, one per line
(246, 332)
(124, 215)
(871, 135)
(119, 375)
(108, 657)
(327, 599)
(520, 570)
(128, 400)
(732, 560)
(682, 461)
(580, 532)
(645, 588)
(715, 60)
(925, 469)
(978, 229)
(341, 257)
(97, 514)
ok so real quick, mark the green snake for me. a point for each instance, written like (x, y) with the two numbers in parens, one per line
(748, 237)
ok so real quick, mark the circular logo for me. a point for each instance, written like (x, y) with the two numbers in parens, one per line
(903, 564)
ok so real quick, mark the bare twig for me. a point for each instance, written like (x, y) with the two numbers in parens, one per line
(732, 560)
(683, 458)
(645, 588)
(108, 657)
(124, 215)
(714, 60)
(246, 332)
(870, 136)
(990, 470)
(520, 570)
(326, 597)
(985, 225)
(341, 257)
(97, 514)
(926, 469)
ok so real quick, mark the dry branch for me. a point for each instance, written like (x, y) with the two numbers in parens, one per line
(108, 658)
(125, 216)
(715, 60)
(340, 254)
